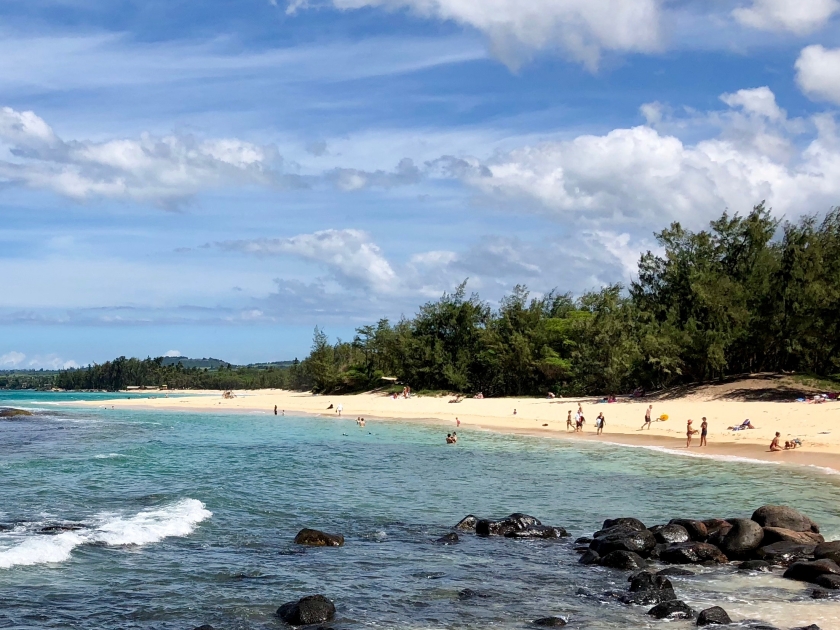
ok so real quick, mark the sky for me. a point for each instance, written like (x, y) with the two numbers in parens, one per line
(217, 178)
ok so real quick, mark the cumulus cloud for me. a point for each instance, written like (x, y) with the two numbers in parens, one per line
(351, 256)
(818, 73)
(173, 353)
(349, 179)
(161, 170)
(583, 28)
(797, 16)
(12, 359)
(18, 360)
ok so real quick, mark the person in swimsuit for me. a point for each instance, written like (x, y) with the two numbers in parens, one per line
(569, 421)
(704, 430)
(647, 417)
(774, 445)
(275, 410)
(600, 422)
(689, 433)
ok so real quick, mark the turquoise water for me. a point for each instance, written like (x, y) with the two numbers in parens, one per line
(188, 518)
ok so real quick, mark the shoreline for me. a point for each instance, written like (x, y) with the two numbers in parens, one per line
(545, 418)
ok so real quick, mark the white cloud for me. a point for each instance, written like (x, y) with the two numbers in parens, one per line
(173, 353)
(760, 101)
(797, 16)
(583, 28)
(350, 255)
(12, 359)
(162, 170)
(818, 73)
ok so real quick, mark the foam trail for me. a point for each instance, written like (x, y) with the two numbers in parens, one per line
(684, 453)
(148, 526)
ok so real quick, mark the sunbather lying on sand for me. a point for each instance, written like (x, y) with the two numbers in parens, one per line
(746, 424)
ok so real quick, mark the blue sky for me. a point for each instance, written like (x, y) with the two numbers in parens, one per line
(217, 178)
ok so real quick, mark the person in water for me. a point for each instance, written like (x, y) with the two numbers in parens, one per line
(647, 417)
(449, 439)
(689, 432)
(704, 430)
(774, 445)
(454, 437)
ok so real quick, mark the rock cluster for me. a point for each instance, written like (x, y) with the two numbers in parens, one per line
(315, 538)
(517, 525)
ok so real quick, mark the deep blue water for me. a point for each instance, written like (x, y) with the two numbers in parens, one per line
(188, 518)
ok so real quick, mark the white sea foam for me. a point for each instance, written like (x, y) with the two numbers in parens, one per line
(685, 453)
(108, 456)
(148, 526)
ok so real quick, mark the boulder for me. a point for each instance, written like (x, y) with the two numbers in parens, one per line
(829, 550)
(632, 523)
(784, 517)
(550, 622)
(821, 593)
(315, 538)
(538, 531)
(744, 538)
(674, 609)
(515, 522)
(714, 616)
(675, 572)
(671, 533)
(692, 553)
(589, 557)
(306, 611)
(779, 534)
(583, 540)
(754, 565)
(467, 524)
(622, 538)
(810, 571)
(783, 553)
(697, 530)
(646, 581)
(831, 582)
(625, 560)
(448, 539)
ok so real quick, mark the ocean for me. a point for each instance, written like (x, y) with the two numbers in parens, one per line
(173, 520)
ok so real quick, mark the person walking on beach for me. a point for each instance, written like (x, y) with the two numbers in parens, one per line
(275, 410)
(704, 430)
(339, 409)
(569, 421)
(647, 417)
(689, 433)
(600, 421)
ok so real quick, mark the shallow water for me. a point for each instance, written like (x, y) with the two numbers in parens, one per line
(183, 519)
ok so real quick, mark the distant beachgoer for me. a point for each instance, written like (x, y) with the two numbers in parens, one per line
(284, 412)
(689, 432)
(454, 437)
(551, 395)
(647, 417)
(793, 443)
(275, 410)
(331, 406)
(569, 421)
(339, 409)
(600, 421)
(449, 439)
(746, 424)
(514, 412)
(704, 430)
(457, 422)
(361, 422)
(774, 445)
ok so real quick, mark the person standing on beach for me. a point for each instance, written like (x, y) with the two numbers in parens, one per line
(689, 433)
(569, 421)
(339, 409)
(457, 422)
(647, 417)
(275, 410)
(704, 430)
(600, 421)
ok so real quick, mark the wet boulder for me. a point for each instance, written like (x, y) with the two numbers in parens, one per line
(538, 531)
(515, 522)
(810, 571)
(647, 588)
(784, 517)
(622, 538)
(784, 552)
(315, 538)
(307, 611)
(448, 539)
(467, 524)
(831, 582)
(780, 534)
(549, 622)
(625, 560)
(674, 609)
(714, 616)
(828, 550)
(755, 565)
(697, 530)
(744, 538)
(671, 533)
(692, 553)
(590, 557)
(675, 572)
(631, 523)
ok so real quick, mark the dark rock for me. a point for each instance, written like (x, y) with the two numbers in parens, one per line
(646, 598)
(307, 610)
(468, 593)
(625, 560)
(692, 553)
(828, 550)
(819, 593)
(646, 581)
(62, 527)
(315, 538)
(672, 533)
(632, 523)
(754, 565)
(583, 540)
(621, 538)
(467, 524)
(779, 534)
(813, 626)
(744, 538)
(206, 626)
(756, 624)
(697, 530)
(716, 537)
(515, 522)
(550, 622)
(538, 531)
(831, 582)
(714, 616)
(674, 609)
(590, 557)
(810, 571)
(448, 539)
(783, 553)
(675, 572)
(12, 413)
(784, 517)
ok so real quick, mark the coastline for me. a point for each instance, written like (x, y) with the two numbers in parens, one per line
(547, 418)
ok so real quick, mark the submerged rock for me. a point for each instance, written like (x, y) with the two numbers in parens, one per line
(468, 593)
(831, 582)
(714, 616)
(754, 565)
(589, 557)
(550, 622)
(307, 610)
(467, 524)
(206, 626)
(515, 522)
(315, 538)
(692, 553)
(674, 609)
(675, 572)
(12, 413)
(810, 571)
(647, 588)
(744, 538)
(784, 517)
(448, 539)
(538, 531)
(784, 552)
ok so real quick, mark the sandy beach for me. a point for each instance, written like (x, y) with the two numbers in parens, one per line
(813, 424)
